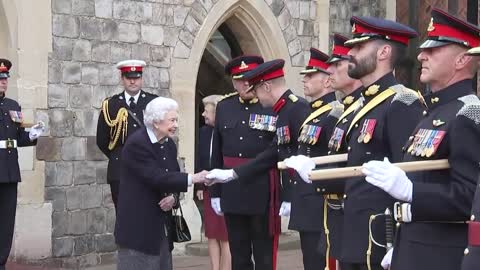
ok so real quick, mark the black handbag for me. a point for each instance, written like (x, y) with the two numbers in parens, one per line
(180, 231)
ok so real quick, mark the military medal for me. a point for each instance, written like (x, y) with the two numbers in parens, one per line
(362, 133)
(262, 122)
(336, 140)
(16, 116)
(283, 135)
(370, 123)
(439, 134)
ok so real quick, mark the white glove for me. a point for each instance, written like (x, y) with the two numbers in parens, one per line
(36, 131)
(221, 176)
(285, 209)
(302, 164)
(390, 178)
(387, 259)
(215, 203)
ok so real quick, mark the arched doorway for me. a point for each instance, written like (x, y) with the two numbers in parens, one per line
(247, 27)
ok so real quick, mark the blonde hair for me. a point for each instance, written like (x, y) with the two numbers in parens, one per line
(212, 99)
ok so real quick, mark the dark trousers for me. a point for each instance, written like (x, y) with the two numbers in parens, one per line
(8, 207)
(114, 187)
(247, 235)
(313, 259)
(359, 266)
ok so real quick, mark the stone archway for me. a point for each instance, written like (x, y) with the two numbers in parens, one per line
(259, 32)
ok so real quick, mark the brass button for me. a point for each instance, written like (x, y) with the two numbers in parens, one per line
(466, 251)
(164, 158)
(398, 224)
(472, 218)
(239, 154)
(243, 122)
(241, 138)
(329, 152)
(166, 170)
(161, 147)
(356, 125)
(344, 196)
(295, 182)
(318, 189)
(349, 148)
(246, 108)
(134, 125)
(290, 180)
(134, 113)
(323, 190)
(424, 113)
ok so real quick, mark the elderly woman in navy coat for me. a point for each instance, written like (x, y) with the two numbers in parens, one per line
(150, 172)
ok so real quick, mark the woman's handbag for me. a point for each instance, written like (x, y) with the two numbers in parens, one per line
(180, 231)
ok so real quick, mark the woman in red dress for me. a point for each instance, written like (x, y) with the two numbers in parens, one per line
(215, 228)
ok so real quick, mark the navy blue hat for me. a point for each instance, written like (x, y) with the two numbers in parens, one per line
(5, 66)
(474, 51)
(368, 28)
(239, 65)
(265, 72)
(446, 29)
(317, 62)
(339, 50)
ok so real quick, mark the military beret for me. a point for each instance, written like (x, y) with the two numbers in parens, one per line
(368, 28)
(239, 65)
(5, 66)
(339, 50)
(131, 68)
(446, 29)
(474, 51)
(317, 62)
(264, 72)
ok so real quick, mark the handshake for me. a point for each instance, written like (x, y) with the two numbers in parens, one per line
(214, 176)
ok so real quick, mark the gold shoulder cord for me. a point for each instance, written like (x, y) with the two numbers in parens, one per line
(117, 126)
(327, 233)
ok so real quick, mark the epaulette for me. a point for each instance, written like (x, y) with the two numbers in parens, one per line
(229, 95)
(293, 98)
(337, 109)
(471, 108)
(404, 94)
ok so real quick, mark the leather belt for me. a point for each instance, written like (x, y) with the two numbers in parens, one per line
(474, 233)
(8, 144)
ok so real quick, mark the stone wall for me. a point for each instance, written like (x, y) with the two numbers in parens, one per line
(342, 10)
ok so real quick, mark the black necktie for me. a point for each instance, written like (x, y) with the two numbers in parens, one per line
(132, 103)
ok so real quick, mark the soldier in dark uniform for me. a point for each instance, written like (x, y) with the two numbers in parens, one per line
(307, 208)
(376, 131)
(434, 205)
(268, 83)
(12, 135)
(352, 101)
(243, 129)
(121, 115)
(472, 256)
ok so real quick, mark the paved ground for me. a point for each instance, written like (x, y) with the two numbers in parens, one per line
(288, 260)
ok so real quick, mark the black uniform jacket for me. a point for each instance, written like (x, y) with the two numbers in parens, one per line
(104, 131)
(472, 252)
(442, 199)
(291, 112)
(307, 207)
(243, 129)
(9, 129)
(379, 129)
(149, 172)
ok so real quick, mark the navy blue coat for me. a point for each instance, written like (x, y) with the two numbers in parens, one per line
(148, 173)
(9, 169)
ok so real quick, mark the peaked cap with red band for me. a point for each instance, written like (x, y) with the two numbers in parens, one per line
(131, 68)
(239, 65)
(446, 29)
(317, 62)
(369, 28)
(267, 71)
(339, 51)
(5, 66)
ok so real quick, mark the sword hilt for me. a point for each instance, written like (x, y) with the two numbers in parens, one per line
(388, 229)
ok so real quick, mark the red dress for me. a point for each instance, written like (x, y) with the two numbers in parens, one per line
(215, 227)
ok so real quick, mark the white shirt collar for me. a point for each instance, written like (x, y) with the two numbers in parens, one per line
(151, 136)
(127, 97)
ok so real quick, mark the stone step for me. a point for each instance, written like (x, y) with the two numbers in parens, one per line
(290, 241)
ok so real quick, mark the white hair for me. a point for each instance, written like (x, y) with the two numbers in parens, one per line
(157, 108)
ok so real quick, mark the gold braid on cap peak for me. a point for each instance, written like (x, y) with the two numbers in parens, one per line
(117, 126)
